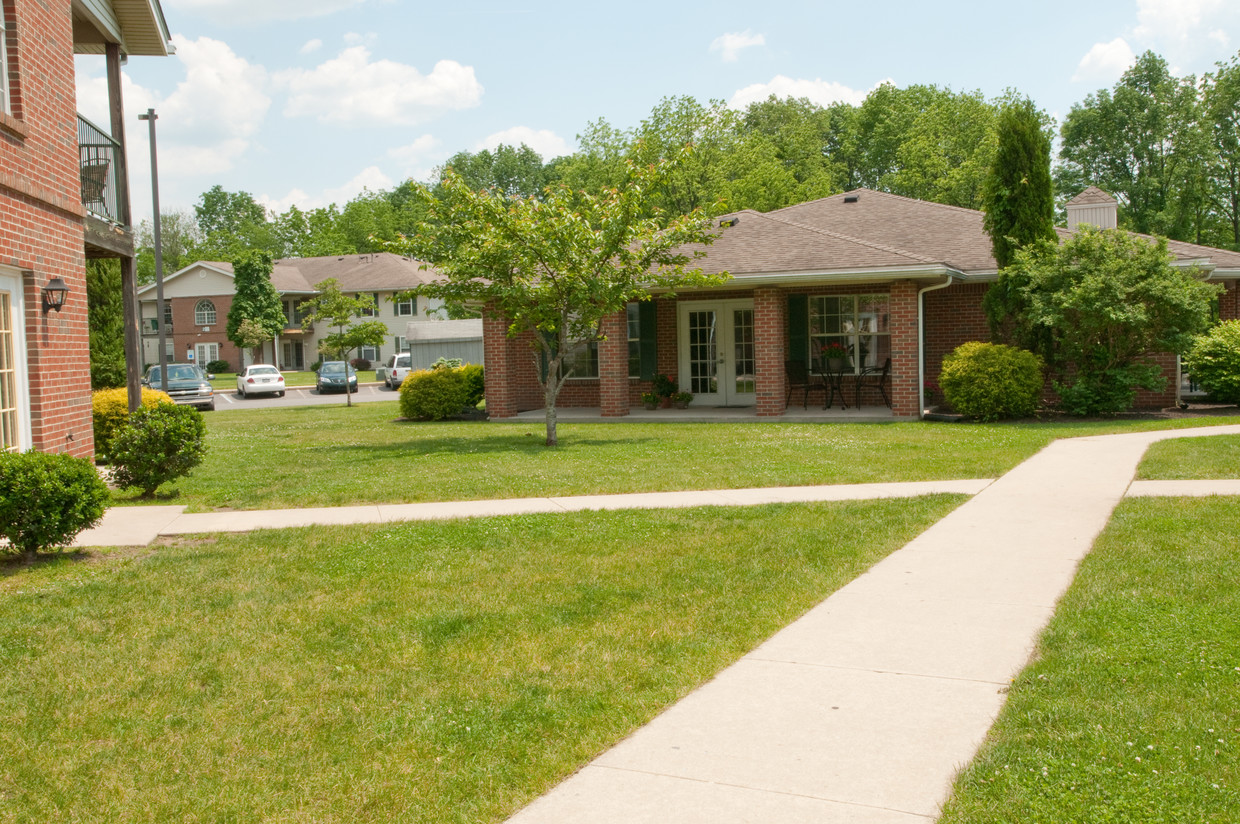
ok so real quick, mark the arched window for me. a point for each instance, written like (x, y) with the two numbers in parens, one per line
(204, 313)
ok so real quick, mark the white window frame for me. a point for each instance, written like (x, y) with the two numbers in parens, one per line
(204, 353)
(633, 317)
(5, 105)
(370, 353)
(406, 308)
(204, 313)
(12, 283)
(402, 344)
(857, 328)
(373, 311)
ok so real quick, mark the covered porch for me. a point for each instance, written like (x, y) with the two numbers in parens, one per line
(713, 414)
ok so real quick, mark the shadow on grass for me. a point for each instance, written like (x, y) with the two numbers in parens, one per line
(528, 443)
(11, 565)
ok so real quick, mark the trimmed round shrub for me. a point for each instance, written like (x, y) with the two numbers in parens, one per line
(45, 500)
(360, 364)
(159, 445)
(433, 394)
(1214, 361)
(990, 381)
(475, 385)
(218, 366)
(110, 411)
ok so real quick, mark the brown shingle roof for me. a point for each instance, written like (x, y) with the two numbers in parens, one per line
(376, 272)
(1090, 196)
(865, 230)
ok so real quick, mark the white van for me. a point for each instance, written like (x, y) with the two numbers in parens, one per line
(394, 371)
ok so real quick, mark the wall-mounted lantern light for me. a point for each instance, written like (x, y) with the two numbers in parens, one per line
(54, 295)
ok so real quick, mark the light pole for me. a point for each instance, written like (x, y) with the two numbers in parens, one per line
(151, 117)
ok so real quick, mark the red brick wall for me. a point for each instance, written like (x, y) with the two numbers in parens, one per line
(41, 230)
(903, 388)
(187, 335)
(770, 313)
(953, 316)
(1229, 302)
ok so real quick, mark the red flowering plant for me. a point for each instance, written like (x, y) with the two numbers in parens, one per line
(834, 349)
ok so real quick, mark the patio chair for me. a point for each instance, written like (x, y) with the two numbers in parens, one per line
(799, 377)
(877, 378)
(94, 184)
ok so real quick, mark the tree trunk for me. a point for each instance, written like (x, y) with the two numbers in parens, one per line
(549, 394)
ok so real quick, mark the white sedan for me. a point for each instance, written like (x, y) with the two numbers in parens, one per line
(260, 379)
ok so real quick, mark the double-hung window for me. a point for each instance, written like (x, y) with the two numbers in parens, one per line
(406, 308)
(7, 55)
(861, 324)
(204, 313)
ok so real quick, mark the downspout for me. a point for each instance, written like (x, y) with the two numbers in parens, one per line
(921, 343)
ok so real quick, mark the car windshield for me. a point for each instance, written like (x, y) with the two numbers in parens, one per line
(264, 370)
(176, 373)
(334, 368)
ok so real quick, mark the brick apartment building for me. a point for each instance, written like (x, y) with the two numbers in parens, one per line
(63, 199)
(889, 278)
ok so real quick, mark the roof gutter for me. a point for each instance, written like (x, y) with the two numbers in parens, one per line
(921, 343)
(824, 276)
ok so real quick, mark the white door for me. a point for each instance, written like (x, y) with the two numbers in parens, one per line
(717, 358)
(205, 353)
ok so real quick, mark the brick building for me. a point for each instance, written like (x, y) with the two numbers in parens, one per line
(198, 297)
(63, 199)
(889, 278)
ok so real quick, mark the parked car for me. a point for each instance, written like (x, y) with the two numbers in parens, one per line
(331, 377)
(260, 379)
(394, 371)
(187, 384)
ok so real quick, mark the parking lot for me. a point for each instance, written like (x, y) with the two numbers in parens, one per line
(303, 396)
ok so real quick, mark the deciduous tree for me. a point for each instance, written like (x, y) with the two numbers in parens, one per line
(554, 267)
(255, 300)
(340, 311)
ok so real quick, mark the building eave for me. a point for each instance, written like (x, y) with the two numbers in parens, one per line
(835, 277)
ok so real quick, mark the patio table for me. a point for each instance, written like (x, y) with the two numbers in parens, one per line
(833, 380)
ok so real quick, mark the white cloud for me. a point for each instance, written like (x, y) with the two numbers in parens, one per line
(822, 92)
(729, 45)
(547, 143)
(1174, 20)
(203, 126)
(352, 89)
(1105, 62)
(369, 178)
(418, 159)
(256, 11)
(311, 46)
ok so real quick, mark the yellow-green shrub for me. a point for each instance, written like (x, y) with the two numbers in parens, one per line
(433, 394)
(110, 411)
(990, 381)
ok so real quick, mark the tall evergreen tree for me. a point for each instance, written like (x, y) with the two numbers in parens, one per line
(255, 299)
(1019, 198)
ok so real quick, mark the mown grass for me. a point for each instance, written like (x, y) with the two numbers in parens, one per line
(1131, 710)
(334, 455)
(227, 381)
(428, 672)
(1192, 459)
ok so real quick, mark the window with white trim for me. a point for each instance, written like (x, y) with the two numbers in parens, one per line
(406, 308)
(402, 345)
(204, 313)
(372, 310)
(861, 324)
(635, 340)
(370, 353)
(8, 55)
(10, 428)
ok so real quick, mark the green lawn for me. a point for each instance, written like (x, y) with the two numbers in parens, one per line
(1130, 711)
(1192, 459)
(422, 672)
(334, 455)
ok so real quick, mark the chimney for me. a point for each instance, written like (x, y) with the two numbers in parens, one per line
(1093, 207)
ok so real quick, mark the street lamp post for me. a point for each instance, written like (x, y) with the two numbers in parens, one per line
(160, 314)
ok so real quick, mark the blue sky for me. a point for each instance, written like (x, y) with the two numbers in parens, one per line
(309, 101)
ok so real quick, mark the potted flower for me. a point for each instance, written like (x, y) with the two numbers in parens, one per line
(650, 400)
(664, 387)
(834, 354)
(681, 400)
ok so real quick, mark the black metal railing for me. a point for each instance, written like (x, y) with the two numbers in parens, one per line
(101, 161)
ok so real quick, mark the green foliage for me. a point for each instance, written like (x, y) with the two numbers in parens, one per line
(255, 300)
(160, 444)
(433, 394)
(218, 366)
(1019, 198)
(338, 310)
(1099, 305)
(45, 500)
(990, 382)
(110, 412)
(105, 309)
(554, 268)
(1221, 115)
(1214, 361)
(475, 383)
(1142, 142)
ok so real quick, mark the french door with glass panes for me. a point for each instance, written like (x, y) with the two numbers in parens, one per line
(717, 358)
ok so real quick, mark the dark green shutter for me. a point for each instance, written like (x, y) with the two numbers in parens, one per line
(648, 339)
(798, 328)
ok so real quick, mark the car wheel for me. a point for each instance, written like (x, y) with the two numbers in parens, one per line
(280, 394)
(243, 395)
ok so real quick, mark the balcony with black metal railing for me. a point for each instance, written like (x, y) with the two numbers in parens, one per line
(108, 233)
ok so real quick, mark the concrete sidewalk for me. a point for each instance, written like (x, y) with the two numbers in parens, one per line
(137, 525)
(863, 710)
